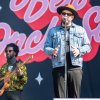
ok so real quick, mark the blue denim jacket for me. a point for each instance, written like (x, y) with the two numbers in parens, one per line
(77, 38)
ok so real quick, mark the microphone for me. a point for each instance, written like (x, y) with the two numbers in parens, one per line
(64, 19)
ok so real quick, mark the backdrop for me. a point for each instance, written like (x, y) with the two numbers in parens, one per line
(26, 23)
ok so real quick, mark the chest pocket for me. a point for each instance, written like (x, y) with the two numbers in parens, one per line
(56, 39)
(78, 39)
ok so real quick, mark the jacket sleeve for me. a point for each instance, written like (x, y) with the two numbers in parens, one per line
(86, 47)
(48, 45)
(3, 70)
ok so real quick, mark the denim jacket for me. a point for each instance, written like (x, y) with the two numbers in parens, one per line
(77, 38)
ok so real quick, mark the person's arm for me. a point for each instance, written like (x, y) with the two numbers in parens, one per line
(86, 47)
(48, 46)
(22, 74)
(3, 70)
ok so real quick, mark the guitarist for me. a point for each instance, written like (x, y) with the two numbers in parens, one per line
(17, 81)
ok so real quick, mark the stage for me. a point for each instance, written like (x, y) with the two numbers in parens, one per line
(76, 99)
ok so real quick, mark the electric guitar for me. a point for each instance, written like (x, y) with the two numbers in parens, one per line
(5, 80)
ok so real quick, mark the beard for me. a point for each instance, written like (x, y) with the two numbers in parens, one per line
(10, 56)
(65, 21)
(11, 59)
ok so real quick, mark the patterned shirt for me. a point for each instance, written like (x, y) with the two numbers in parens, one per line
(16, 82)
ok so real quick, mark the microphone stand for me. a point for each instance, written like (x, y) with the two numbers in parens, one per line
(65, 81)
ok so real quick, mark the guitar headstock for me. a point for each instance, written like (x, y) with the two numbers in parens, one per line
(28, 59)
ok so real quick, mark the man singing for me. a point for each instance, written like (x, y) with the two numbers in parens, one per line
(67, 43)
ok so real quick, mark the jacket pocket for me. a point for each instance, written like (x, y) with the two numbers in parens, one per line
(78, 38)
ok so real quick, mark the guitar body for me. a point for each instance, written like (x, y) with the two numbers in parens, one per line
(5, 86)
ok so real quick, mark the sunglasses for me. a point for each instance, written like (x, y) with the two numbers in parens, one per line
(68, 14)
(9, 51)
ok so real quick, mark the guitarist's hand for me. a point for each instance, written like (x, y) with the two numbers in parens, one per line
(19, 72)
